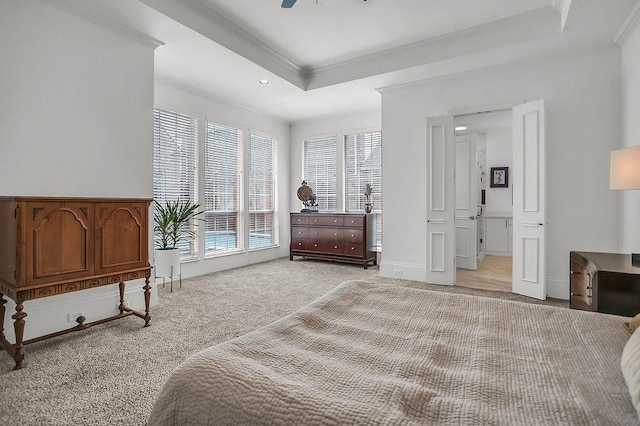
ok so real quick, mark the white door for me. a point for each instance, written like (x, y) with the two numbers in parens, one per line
(529, 219)
(441, 268)
(466, 202)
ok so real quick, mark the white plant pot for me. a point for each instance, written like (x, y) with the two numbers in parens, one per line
(167, 263)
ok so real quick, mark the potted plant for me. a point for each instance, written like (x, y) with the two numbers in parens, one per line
(367, 194)
(171, 225)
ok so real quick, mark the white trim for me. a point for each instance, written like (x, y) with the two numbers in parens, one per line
(410, 271)
(83, 10)
(557, 288)
(562, 6)
(576, 52)
(218, 19)
(629, 26)
(200, 93)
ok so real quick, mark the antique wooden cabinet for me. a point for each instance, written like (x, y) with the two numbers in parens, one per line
(604, 282)
(349, 237)
(51, 246)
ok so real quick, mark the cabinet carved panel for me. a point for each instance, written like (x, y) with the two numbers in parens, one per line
(51, 246)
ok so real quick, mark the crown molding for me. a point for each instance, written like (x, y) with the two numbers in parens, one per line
(83, 10)
(202, 94)
(216, 18)
(562, 54)
(629, 26)
(562, 6)
(489, 36)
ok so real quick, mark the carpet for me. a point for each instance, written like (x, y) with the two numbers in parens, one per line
(112, 373)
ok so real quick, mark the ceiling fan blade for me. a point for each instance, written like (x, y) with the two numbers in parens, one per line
(288, 3)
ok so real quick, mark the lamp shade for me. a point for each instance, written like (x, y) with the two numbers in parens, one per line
(625, 168)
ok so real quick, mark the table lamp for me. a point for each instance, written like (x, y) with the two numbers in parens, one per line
(625, 174)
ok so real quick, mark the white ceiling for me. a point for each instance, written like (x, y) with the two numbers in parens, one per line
(328, 57)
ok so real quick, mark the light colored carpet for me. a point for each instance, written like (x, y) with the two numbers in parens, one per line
(112, 373)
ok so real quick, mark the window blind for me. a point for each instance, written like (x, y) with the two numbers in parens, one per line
(175, 163)
(320, 171)
(363, 164)
(262, 180)
(222, 179)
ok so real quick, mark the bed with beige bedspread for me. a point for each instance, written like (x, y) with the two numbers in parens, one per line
(369, 353)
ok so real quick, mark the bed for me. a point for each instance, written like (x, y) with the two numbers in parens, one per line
(370, 353)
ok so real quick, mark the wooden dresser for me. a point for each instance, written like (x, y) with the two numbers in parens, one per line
(349, 237)
(604, 282)
(51, 246)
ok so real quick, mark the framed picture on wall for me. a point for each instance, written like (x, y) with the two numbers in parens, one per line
(499, 177)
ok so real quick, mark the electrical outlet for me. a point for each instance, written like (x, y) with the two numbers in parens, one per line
(71, 316)
(397, 272)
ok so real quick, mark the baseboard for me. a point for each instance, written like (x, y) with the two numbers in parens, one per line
(557, 288)
(51, 314)
(403, 271)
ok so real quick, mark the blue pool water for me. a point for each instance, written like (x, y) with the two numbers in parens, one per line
(215, 241)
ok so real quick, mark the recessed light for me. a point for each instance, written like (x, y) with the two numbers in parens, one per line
(462, 127)
(263, 81)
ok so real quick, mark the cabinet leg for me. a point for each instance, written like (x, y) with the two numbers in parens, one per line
(18, 326)
(121, 288)
(3, 301)
(147, 302)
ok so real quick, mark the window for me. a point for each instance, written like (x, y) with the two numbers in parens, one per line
(320, 171)
(362, 165)
(174, 163)
(222, 180)
(262, 181)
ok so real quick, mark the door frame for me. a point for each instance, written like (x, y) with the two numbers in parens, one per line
(509, 105)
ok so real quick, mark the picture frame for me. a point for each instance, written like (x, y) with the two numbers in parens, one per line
(499, 177)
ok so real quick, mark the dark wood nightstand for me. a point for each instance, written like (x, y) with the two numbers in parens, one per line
(604, 282)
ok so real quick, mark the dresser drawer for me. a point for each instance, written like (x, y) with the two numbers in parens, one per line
(326, 220)
(299, 233)
(356, 222)
(352, 235)
(299, 244)
(350, 249)
(300, 220)
(331, 247)
(325, 234)
(581, 287)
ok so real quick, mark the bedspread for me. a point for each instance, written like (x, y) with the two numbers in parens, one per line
(370, 353)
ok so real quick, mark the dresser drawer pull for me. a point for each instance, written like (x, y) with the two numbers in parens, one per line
(353, 235)
(299, 232)
(353, 221)
(315, 245)
(335, 221)
(315, 233)
(335, 247)
(299, 244)
(353, 248)
(336, 234)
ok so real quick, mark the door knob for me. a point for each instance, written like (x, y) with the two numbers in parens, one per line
(472, 217)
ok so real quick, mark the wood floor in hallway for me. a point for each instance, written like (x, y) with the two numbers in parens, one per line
(493, 273)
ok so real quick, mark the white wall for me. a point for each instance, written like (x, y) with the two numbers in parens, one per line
(340, 126)
(630, 206)
(75, 120)
(173, 97)
(499, 154)
(582, 98)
